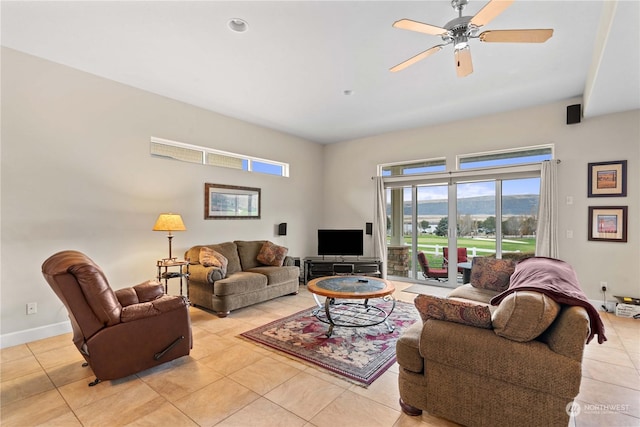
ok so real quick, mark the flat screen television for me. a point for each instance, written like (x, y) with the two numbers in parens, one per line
(340, 242)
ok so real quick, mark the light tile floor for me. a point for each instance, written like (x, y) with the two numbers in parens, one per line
(226, 381)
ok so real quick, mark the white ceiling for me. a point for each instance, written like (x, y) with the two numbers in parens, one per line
(289, 71)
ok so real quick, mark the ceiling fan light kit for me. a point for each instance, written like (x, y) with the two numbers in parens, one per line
(464, 67)
(460, 30)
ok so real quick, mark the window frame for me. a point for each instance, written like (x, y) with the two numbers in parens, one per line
(437, 161)
(284, 167)
(451, 178)
(497, 154)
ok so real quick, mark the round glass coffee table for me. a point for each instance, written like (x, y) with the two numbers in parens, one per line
(351, 313)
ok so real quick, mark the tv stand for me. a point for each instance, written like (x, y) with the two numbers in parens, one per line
(337, 258)
(341, 265)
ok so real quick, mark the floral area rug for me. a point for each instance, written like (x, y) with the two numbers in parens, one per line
(360, 354)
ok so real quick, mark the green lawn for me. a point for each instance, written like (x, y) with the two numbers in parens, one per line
(432, 246)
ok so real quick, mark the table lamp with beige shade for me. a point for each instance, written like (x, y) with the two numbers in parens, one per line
(169, 222)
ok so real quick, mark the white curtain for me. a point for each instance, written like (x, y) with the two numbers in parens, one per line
(547, 232)
(380, 225)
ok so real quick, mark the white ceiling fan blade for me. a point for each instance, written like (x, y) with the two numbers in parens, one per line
(414, 59)
(490, 11)
(464, 65)
(408, 24)
(516, 36)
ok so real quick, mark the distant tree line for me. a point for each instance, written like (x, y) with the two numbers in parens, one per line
(519, 225)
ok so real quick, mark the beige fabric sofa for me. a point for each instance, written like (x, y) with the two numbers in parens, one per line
(475, 377)
(246, 281)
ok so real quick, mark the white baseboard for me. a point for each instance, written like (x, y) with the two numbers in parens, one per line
(28, 335)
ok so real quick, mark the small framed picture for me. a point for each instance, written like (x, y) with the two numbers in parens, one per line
(608, 179)
(608, 223)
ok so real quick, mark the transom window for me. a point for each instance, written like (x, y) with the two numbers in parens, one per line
(517, 156)
(207, 156)
(414, 167)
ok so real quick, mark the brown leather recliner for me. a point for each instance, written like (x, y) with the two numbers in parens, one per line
(123, 332)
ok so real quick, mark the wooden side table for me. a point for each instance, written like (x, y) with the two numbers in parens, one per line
(164, 273)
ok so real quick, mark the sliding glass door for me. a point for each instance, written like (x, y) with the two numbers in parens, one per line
(431, 223)
(476, 219)
(520, 201)
(487, 218)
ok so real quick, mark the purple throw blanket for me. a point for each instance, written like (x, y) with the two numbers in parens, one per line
(556, 279)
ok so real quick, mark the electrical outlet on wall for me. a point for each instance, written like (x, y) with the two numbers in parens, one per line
(32, 307)
(603, 286)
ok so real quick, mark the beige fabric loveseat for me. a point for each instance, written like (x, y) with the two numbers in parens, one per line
(243, 281)
(480, 365)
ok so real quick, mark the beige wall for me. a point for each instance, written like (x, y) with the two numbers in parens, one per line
(77, 174)
(350, 165)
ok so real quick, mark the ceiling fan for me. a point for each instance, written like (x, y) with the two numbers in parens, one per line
(458, 31)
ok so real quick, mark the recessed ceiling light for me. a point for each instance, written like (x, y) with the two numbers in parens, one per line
(238, 25)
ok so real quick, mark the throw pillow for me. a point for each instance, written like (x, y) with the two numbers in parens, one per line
(524, 315)
(431, 307)
(210, 258)
(492, 274)
(272, 254)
